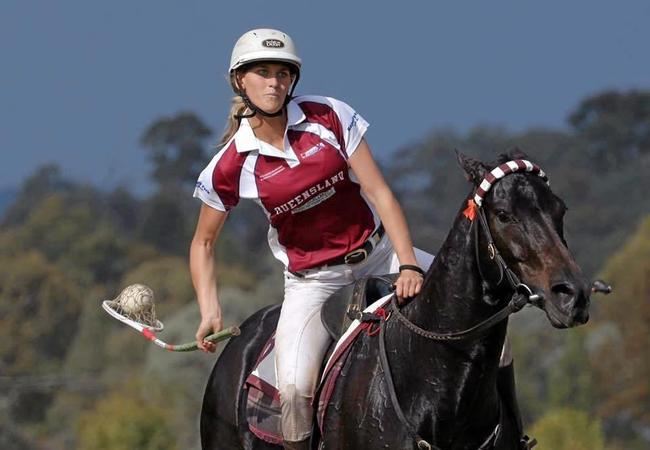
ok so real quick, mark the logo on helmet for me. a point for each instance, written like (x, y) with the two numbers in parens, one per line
(273, 43)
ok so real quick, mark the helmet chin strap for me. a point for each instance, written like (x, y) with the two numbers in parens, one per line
(253, 109)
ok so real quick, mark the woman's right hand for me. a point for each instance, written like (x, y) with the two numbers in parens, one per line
(208, 326)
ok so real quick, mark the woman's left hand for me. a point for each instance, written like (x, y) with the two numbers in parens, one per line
(408, 284)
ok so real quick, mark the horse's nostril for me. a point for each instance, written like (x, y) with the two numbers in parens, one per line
(563, 288)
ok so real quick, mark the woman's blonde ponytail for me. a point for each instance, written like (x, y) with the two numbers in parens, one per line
(232, 124)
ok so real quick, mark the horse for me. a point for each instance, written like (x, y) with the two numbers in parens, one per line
(429, 380)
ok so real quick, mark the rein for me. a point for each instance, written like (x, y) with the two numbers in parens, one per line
(522, 295)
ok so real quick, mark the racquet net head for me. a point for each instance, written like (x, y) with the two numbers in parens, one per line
(136, 303)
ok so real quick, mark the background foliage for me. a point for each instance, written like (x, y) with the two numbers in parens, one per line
(70, 377)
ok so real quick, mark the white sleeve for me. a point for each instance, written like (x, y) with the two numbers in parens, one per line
(353, 125)
(204, 188)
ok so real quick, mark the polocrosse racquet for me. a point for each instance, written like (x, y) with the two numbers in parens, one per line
(135, 308)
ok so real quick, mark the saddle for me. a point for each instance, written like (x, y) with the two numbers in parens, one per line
(346, 304)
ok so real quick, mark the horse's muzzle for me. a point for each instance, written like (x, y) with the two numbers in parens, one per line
(571, 302)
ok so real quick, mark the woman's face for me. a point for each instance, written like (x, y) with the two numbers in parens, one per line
(266, 84)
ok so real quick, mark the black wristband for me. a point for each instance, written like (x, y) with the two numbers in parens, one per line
(411, 267)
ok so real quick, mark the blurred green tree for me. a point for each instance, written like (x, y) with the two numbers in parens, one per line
(122, 211)
(39, 310)
(568, 429)
(53, 225)
(570, 379)
(616, 126)
(619, 343)
(167, 222)
(101, 252)
(176, 150)
(126, 420)
(39, 316)
(45, 181)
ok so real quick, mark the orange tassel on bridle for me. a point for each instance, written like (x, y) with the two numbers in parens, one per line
(470, 211)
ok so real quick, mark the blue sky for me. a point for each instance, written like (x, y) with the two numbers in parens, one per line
(81, 80)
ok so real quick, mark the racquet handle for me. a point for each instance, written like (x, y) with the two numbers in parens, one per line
(216, 337)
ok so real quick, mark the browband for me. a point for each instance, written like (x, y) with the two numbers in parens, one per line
(517, 165)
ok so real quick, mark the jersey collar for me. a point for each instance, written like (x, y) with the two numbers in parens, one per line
(246, 141)
(295, 115)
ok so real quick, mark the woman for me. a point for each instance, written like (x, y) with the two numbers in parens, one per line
(305, 161)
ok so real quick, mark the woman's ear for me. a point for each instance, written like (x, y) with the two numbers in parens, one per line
(239, 80)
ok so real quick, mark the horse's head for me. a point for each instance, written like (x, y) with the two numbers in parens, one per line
(525, 219)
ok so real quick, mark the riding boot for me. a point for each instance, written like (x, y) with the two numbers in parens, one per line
(508, 394)
(299, 445)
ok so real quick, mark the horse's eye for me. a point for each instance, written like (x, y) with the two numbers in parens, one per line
(503, 216)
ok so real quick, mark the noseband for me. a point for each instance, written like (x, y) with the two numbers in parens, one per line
(522, 294)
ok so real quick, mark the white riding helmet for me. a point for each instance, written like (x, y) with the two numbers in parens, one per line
(264, 44)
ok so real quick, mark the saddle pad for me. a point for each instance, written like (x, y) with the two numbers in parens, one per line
(263, 399)
(339, 356)
(263, 408)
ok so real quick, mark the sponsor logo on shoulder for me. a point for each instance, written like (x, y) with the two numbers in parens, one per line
(353, 121)
(273, 43)
(202, 187)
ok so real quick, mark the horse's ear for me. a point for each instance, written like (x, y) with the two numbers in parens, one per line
(474, 169)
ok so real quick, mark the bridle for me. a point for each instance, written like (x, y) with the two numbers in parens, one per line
(519, 165)
(522, 293)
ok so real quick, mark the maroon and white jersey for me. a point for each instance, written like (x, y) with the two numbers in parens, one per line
(311, 197)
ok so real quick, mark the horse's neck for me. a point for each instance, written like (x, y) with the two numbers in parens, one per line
(451, 295)
(451, 301)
